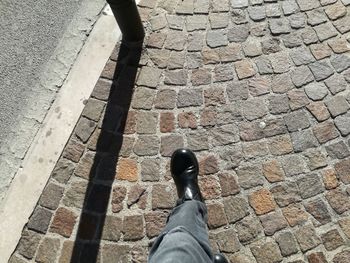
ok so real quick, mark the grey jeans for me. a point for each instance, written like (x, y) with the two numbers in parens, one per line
(185, 237)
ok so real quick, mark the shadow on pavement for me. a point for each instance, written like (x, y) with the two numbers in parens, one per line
(102, 174)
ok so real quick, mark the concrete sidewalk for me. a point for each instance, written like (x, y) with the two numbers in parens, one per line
(260, 90)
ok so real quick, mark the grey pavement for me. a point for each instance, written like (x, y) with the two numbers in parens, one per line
(39, 41)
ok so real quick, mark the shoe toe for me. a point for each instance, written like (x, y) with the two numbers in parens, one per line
(181, 160)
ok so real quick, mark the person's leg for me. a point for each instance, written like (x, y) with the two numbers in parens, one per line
(185, 237)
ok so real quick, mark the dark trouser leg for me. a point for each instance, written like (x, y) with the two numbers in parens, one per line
(185, 237)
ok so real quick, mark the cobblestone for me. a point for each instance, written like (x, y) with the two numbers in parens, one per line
(40, 220)
(216, 215)
(249, 177)
(325, 31)
(236, 208)
(318, 110)
(238, 33)
(259, 89)
(316, 17)
(63, 222)
(292, 40)
(337, 106)
(307, 237)
(216, 38)
(310, 185)
(336, 84)
(244, 69)
(293, 165)
(28, 244)
(340, 62)
(48, 250)
(316, 91)
(267, 252)
(325, 131)
(320, 51)
(330, 179)
(227, 241)
(262, 201)
(317, 257)
(342, 124)
(297, 21)
(273, 222)
(301, 76)
(338, 200)
(188, 98)
(286, 194)
(321, 70)
(341, 257)
(149, 77)
(303, 140)
(287, 243)
(248, 229)
(295, 214)
(218, 20)
(279, 26)
(332, 239)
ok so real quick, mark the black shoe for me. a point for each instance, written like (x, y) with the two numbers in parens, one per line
(184, 169)
(219, 258)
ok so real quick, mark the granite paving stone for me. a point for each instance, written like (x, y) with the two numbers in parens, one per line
(316, 17)
(309, 36)
(273, 222)
(303, 140)
(216, 38)
(342, 24)
(286, 193)
(259, 89)
(248, 229)
(318, 110)
(316, 257)
(292, 40)
(325, 31)
(340, 62)
(337, 105)
(332, 239)
(298, 21)
(321, 70)
(318, 209)
(341, 257)
(330, 178)
(293, 165)
(301, 76)
(338, 200)
(287, 243)
(290, 7)
(339, 45)
(218, 20)
(295, 214)
(267, 252)
(316, 91)
(257, 13)
(307, 237)
(342, 123)
(336, 83)
(320, 51)
(238, 33)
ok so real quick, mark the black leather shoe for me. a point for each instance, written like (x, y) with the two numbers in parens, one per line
(219, 258)
(184, 169)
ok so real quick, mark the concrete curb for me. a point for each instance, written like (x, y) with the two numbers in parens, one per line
(57, 127)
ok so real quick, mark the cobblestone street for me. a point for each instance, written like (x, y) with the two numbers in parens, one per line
(260, 90)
